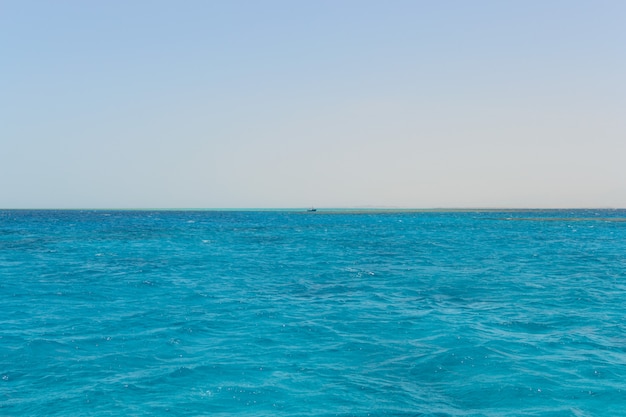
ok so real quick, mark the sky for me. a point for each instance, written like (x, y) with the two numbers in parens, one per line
(325, 103)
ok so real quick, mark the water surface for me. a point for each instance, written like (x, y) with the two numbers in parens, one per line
(313, 314)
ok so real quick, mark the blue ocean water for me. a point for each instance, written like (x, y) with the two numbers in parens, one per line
(209, 313)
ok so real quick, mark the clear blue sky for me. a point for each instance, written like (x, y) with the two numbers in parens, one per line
(327, 103)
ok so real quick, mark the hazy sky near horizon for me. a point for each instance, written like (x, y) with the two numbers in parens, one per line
(332, 103)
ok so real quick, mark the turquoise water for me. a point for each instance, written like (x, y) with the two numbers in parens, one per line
(312, 314)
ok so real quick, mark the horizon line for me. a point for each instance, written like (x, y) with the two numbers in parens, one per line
(317, 209)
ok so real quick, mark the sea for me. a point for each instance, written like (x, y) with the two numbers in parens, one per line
(326, 313)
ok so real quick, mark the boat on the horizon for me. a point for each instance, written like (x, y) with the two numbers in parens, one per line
(312, 209)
